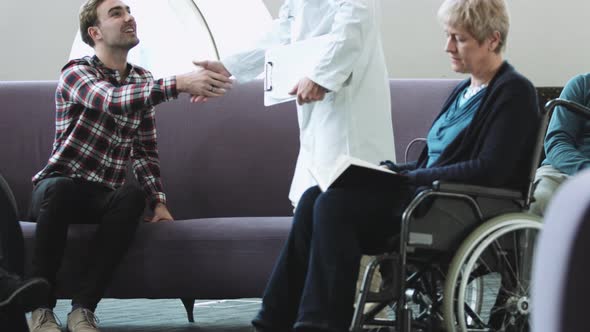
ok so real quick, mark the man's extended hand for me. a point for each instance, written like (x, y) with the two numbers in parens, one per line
(212, 65)
(203, 82)
(161, 213)
(308, 91)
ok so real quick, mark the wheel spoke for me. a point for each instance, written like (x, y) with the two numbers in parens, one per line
(494, 260)
(477, 319)
(516, 252)
(511, 269)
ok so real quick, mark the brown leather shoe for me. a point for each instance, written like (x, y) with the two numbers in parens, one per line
(44, 320)
(82, 320)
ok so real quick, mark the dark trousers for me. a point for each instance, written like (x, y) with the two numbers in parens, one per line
(11, 236)
(60, 201)
(312, 286)
(12, 316)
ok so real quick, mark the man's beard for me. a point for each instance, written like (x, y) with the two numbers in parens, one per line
(126, 44)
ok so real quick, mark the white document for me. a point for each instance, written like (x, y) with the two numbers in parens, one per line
(285, 65)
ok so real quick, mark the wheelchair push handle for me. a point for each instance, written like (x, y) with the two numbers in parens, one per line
(570, 105)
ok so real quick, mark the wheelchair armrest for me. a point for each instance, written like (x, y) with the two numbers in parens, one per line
(472, 190)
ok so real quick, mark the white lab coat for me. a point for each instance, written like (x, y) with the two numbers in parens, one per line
(355, 117)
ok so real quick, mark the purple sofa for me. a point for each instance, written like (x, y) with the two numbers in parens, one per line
(226, 169)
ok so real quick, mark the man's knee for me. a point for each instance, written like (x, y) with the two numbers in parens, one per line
(126, 208)
(544, 190)
(541, 199)
(133, 197)
(57, 193)
(57, 188)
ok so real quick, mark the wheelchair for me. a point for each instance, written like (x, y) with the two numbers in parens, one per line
(463, 260)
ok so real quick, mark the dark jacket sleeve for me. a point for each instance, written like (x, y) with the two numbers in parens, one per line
(505, 137)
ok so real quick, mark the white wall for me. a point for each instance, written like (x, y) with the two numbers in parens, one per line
(36, 36)
(549, 40)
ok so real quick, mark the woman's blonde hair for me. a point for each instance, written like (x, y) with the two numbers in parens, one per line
(481, 18)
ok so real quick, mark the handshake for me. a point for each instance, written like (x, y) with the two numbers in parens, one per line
(211, 80)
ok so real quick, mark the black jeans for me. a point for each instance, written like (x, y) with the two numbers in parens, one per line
(12, 316)
(312, 286)
(60, 201)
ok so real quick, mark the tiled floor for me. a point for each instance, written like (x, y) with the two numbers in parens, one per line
(144, 315)
(169, 315)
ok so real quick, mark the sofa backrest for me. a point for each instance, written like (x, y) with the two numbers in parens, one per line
(224, 158)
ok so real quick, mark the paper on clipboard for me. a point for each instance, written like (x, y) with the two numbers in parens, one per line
(285, 65)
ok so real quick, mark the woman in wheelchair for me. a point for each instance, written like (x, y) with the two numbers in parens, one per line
(484, 136)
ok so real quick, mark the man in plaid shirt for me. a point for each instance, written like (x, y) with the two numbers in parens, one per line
(105, 118)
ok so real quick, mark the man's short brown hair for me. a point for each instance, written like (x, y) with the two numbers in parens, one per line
(88, 17)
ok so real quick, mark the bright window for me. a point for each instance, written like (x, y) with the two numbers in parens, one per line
(172, 33)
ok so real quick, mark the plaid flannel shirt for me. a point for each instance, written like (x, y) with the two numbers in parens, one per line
(102, 123)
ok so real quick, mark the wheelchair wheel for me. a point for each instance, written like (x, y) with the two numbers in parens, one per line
(488, 282)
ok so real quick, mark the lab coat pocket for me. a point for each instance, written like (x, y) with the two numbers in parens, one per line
(304, 113)
(328, 98)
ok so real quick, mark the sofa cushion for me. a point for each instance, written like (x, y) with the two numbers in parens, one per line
(228, 157)
(212, 258)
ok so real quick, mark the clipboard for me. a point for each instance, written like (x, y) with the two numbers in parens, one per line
(285, 65)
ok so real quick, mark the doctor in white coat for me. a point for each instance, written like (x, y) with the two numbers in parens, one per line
(344, 102)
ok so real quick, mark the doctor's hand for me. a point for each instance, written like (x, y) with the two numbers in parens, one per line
(213, 65)
(308, 91)
(161, 213)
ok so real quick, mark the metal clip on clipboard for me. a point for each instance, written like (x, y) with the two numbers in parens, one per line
(268, 76)
(285, 65)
